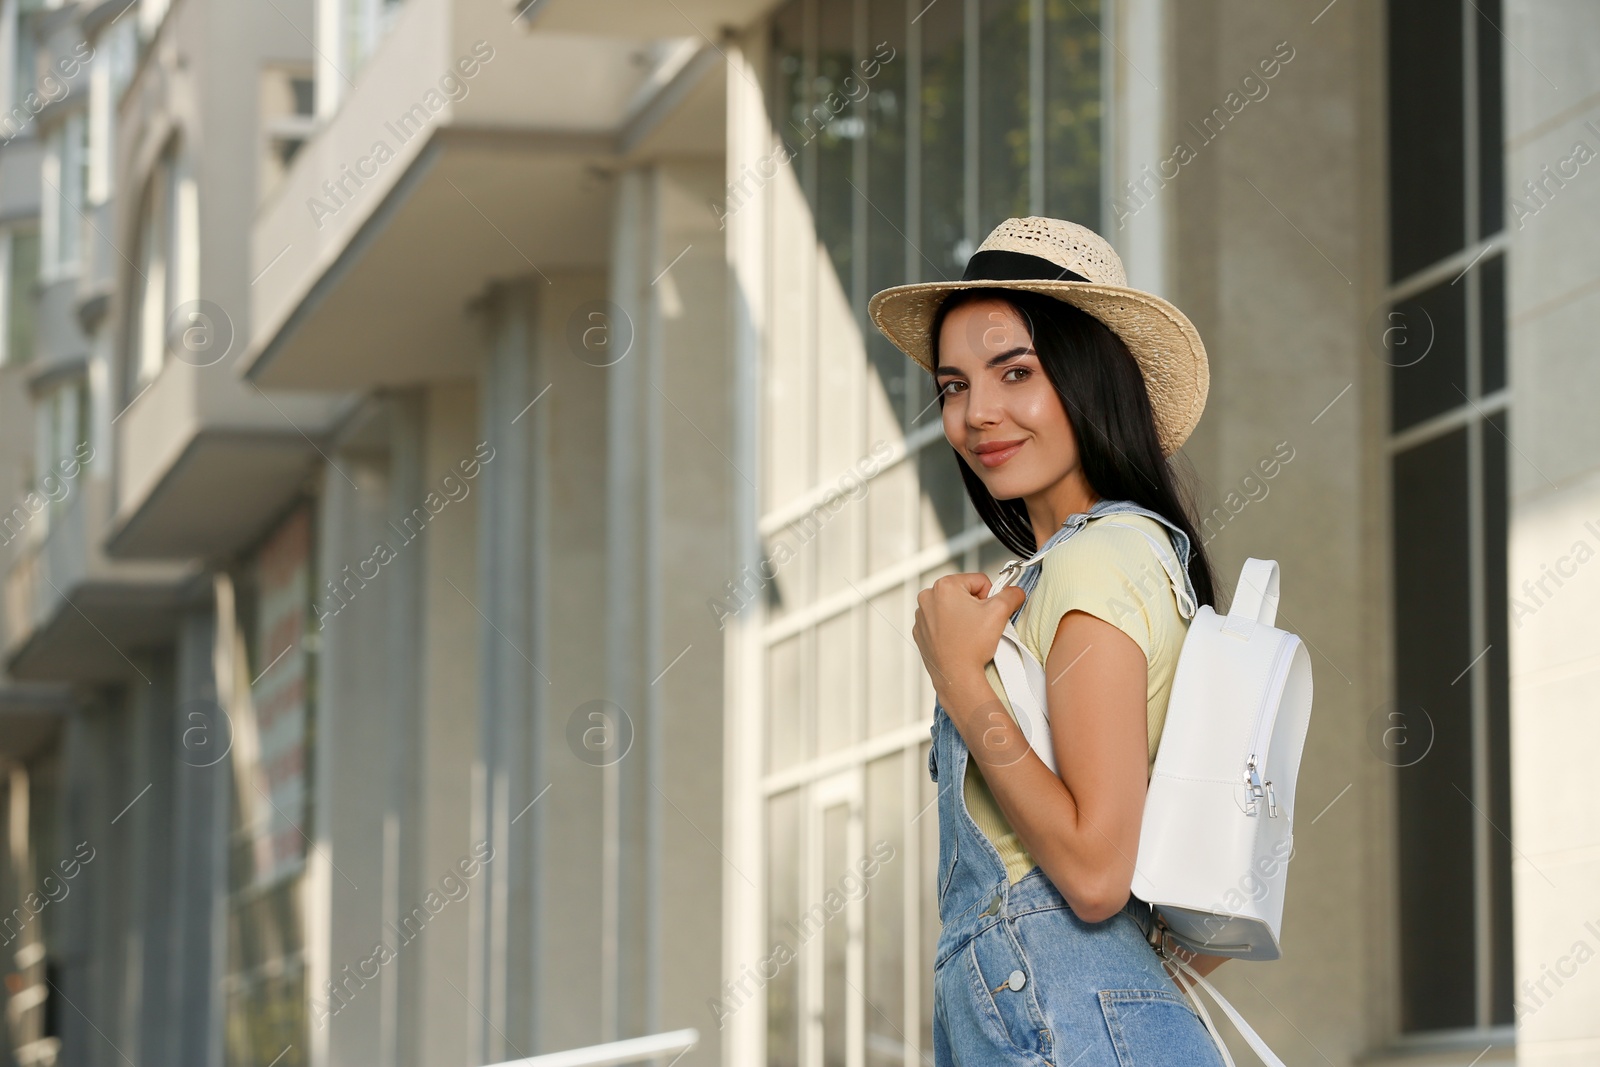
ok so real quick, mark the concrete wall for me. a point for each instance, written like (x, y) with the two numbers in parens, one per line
(1277, 248)
(668, 497)
(1552, 107)
(568, 461)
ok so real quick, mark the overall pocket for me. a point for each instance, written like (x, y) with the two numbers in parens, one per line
(1001, 1000)
(1156, 1028)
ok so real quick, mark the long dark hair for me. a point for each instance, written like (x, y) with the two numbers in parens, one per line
(1104, 394)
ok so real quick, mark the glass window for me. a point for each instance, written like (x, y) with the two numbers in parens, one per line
(1491, 134)
(783, 917)
(912, 129)
(925, 832)
(66, 185)
(1426, 345)
(1433, 645)
(1427, 150)
(789, 733)
(886, 911)
(365, 24)
(1005, 108)
(838, 126)
(22, 279)
(167, 262)
(1450, 409)
(147, 350)
(835, 936)
(1492, 322)
(1496, 436)
(26, 100)
(1072, 111)
(942, 169)
(286, 107)
(266, 999)
(884, 108)
(944, 497)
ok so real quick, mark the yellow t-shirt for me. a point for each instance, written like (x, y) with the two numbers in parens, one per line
(1113, 573)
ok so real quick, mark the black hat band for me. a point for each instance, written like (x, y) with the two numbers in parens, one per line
(1003, 265)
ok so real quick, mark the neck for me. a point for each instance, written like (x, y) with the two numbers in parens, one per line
(1050, 508)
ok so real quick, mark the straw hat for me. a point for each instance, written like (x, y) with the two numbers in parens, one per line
(1079, 267)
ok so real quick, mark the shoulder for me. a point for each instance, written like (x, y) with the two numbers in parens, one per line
(1117, 545)
(1110, 570)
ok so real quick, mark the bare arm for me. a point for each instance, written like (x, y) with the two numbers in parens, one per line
(1083, 826)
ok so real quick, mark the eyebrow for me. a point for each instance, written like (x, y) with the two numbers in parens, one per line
(992, 361)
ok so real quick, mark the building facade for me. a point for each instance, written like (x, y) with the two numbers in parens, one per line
(460, 532)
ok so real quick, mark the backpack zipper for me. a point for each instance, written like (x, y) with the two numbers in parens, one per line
(1254, 764)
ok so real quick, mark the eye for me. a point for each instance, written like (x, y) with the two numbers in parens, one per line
(1023, 370)
(944, 390)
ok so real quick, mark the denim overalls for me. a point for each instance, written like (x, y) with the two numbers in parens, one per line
(1018, 977)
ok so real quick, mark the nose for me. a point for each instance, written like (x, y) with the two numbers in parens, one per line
(983, 407)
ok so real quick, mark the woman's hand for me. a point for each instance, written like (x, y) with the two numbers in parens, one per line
(958, 626)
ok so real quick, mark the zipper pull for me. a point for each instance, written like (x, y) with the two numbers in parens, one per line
(1272, 801)
(1254, 789)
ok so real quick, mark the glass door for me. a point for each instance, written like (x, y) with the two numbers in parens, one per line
(830, 929)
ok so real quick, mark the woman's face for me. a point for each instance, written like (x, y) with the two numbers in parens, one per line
(1000, 411)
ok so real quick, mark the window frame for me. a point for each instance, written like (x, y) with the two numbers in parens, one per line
(1476, 414)
(951, 536)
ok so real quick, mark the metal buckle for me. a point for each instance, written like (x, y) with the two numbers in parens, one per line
(1158, 928)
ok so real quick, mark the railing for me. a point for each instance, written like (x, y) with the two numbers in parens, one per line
(21, 597)
(631, 1050)
(51, 556)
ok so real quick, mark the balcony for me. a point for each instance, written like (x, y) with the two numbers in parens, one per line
(649, 18)
(482, 141)
(31, 717)
(203, 460)
(20, 157)
(73, 615)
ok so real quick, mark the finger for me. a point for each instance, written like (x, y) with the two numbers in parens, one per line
(1008, 600)
(973, 582)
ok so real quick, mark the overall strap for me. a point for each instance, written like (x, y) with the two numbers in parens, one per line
(1025, 572)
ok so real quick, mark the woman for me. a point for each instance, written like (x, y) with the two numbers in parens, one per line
(1063, 392)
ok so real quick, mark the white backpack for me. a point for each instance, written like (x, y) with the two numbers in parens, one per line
(1217, 832)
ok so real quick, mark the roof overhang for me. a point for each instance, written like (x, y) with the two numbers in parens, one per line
(485, 206)
(651, 18)
(30, 718)
(370, 262)
(216, 497)
(95, 636)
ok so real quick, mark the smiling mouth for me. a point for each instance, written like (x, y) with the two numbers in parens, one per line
(997, 456)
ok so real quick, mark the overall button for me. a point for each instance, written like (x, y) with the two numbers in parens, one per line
(1016, 981)
(994, 905)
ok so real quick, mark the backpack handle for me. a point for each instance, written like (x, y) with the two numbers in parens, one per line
(1256, 598)
(1257, 1045)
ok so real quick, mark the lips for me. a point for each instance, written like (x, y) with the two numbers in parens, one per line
(994, 453)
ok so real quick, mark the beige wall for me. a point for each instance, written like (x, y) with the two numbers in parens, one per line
(1553, 104)
(570, 460)
(669, 407)
(449, 737)
(1278, 255)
